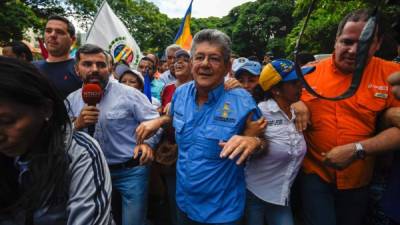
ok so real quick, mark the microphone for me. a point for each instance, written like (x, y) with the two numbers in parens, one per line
(91, 95)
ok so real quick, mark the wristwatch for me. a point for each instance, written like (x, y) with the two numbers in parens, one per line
(360, 151)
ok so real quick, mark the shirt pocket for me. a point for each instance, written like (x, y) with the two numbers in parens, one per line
(370, 103)
(117, 120)
(212, 136)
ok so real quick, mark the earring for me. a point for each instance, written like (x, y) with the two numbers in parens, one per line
(46, 119)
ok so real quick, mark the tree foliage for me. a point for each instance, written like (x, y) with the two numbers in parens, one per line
(319, 36)
(260, 26)
(254, 27)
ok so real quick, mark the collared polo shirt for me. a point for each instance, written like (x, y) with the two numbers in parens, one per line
(351, 120)
(122, 109)
(270, 174)
(209, 189)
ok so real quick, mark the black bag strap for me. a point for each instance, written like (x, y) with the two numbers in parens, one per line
(365, 41)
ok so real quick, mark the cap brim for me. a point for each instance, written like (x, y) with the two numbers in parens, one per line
(293, 75)
(246, 69)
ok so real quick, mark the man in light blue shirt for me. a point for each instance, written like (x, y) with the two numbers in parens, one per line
(116, 117)
(208, 122)
(169, 75)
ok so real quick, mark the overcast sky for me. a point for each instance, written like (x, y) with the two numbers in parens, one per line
(200, 8)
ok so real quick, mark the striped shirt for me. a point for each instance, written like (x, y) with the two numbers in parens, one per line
(89, 197)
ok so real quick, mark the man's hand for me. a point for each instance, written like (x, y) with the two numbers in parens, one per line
(255, 128)
(88, 116)
(147, 153)
(232, 83)
(166, 108)
(302, 115)
(239, 145)
(394, 80)
(147, 129)
(340, 157)
(391, 117)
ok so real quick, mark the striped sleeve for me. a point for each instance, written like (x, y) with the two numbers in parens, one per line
(90, 186)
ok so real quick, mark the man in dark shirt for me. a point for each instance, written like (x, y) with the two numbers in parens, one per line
(59, 35)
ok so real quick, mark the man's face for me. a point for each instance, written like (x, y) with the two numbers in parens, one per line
(208, 66)
(346, 47)
(171, 60)
(182, 68)
(93, 68)
(146, 65)
(57, 39)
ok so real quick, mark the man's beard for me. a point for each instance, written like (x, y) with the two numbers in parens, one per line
(96, 78)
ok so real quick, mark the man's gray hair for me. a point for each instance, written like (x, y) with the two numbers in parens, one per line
(172, 47)
(214, 37)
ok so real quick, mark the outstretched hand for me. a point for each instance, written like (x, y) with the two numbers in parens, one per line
(239, 146)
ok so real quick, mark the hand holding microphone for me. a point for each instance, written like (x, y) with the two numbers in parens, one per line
(91, 95)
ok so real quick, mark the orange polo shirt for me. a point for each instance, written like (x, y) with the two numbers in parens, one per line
(346, 121)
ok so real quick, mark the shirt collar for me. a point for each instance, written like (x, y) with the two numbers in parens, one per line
(215, 93)
(273, 106)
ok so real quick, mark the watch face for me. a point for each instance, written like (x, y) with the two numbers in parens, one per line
(360, 154)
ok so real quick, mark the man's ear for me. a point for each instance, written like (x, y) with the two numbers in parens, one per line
(77, 70)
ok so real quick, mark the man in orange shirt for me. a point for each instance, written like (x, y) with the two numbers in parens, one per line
(338, 166)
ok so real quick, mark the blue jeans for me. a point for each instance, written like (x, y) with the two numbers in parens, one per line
(183, 219)
(324, 204)
(132, 185)
(259, 212)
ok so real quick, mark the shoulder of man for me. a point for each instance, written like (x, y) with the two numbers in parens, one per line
(387, 67)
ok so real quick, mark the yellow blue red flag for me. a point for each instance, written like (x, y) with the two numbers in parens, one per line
(184, 38)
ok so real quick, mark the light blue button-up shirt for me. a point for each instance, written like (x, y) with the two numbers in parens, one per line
(167, 77)
(122, 108)
(209, 189)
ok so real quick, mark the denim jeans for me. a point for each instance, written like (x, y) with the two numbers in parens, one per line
(324, 204)
(132, 185)
(183, 219)
(259, 212)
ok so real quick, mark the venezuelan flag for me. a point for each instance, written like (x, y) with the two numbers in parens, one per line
(73, 50)
(184, 38)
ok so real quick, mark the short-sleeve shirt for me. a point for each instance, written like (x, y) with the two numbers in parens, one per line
(336, 123)
(209, 189)
(61, 74)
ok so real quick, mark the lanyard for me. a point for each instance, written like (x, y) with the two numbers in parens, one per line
(365, 41)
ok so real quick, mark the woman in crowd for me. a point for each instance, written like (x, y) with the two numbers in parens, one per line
(49, 174)
(247, 72)
(133, 78)
(269, 175)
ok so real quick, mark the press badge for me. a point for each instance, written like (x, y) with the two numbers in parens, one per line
(381, 95)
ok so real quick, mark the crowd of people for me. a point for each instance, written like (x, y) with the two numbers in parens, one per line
(217, 139)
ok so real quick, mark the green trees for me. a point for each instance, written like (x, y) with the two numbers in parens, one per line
(254, 27)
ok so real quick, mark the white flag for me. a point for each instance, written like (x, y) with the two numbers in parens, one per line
(109, 33)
